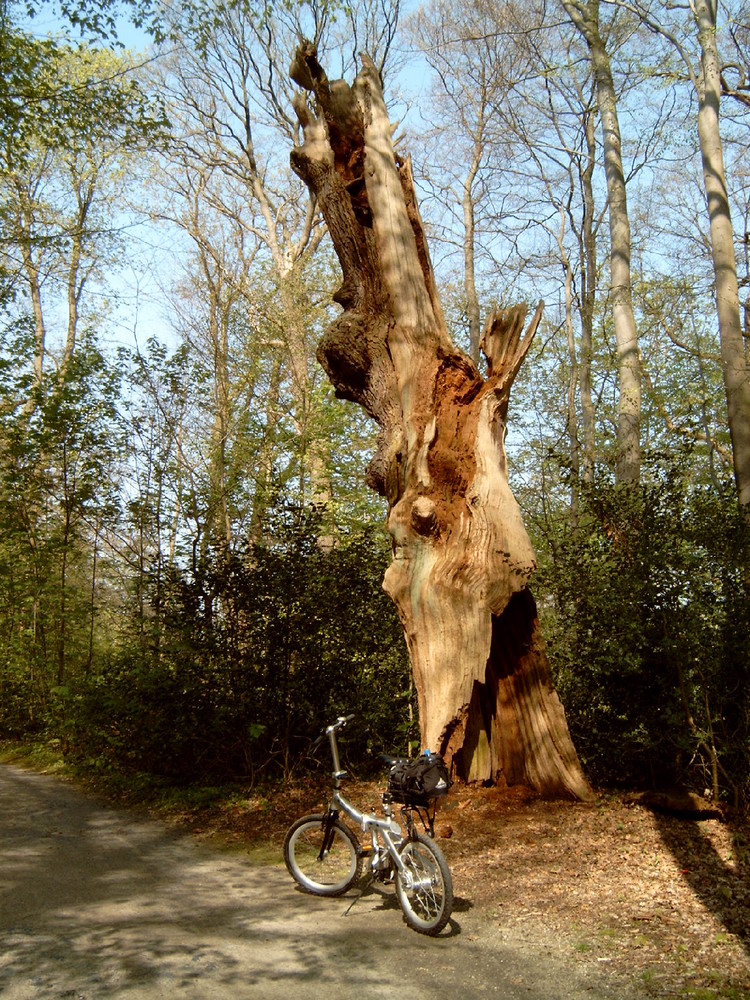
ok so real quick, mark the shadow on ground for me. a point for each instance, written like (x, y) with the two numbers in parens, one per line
(721, 884)
(98, 903)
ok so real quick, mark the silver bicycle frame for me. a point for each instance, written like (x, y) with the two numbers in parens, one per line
(389, 829)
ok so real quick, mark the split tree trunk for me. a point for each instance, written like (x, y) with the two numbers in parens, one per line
(461, 556)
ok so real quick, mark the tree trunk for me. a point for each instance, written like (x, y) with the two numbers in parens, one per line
(733, 359)
(85, 189)
(589, 271)
(585, 17)
(573, 382)
(470, 286)
(313, 464)
(33, 277)
(461, 555)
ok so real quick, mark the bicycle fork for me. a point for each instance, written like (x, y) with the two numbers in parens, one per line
(329, 823)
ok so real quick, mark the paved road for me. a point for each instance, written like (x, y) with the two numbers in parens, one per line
(98, 903)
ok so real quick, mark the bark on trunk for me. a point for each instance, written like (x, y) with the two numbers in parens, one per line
(461, 556)
(585, 17)
(470, 287)
(574, 443)
(85, 190)
(733, 359)
(589, 271)
(33, 277)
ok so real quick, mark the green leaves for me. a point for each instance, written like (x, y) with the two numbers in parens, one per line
(58, 97)
(57, 494)
(250, 657)
(649, 629)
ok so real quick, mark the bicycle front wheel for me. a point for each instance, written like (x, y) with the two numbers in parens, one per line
(340, 865)
(425, 890)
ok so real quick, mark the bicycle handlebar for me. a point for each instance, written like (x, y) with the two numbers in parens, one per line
(338, 724)
(341, 722)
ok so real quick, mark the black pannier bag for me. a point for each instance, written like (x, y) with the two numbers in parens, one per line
(416, 782)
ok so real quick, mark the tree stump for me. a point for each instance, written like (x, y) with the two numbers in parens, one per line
(461, 556)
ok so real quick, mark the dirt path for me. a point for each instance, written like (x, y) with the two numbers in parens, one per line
(97, 903)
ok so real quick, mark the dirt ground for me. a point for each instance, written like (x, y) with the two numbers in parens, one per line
(103, 903)
(660, 900)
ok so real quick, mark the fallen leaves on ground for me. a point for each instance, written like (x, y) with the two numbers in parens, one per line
(659, 899)
(663, 902)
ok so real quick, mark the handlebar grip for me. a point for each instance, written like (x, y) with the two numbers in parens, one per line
(340, 723)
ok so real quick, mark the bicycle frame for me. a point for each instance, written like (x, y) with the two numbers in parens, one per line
(325, 857)
(388, 829)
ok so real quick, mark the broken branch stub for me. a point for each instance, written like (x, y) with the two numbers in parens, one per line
(461, 554)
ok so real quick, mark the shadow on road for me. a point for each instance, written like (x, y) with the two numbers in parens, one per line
(97, 903)
(96, 900)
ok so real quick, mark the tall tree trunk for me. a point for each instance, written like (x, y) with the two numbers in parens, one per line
(572, 420)
(735, 369)
(85, 188)
(585, 17)
(470, 286)
(33, 277)
(733, 358)
(220, 525)
(461, 556)
(264, 474)
(313, 465)
(74, 299)
(588, 301)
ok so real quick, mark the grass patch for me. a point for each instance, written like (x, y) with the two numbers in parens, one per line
(195, 798)
(608, 932)
(727, 993)
(45, 756)
(265, 854)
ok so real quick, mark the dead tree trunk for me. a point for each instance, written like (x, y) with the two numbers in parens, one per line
(461, 555)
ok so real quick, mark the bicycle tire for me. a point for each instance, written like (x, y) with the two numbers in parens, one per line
(428, 903)
(337, 872)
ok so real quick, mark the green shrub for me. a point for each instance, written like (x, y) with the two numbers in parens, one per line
(250, 657)
(648, 624)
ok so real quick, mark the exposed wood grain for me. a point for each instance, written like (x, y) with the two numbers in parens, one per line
(462, 559)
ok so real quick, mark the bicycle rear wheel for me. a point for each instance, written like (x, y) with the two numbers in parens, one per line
(425, 893)
(337, 870)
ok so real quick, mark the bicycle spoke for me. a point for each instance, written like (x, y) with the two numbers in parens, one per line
(425, 889)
